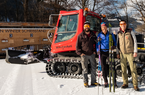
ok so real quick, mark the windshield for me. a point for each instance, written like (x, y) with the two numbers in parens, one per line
(67, 27)
(95, 23)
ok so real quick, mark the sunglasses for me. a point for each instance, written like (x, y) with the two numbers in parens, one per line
(87, 26)
(122, 23)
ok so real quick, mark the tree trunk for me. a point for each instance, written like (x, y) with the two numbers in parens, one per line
(6, 11)
(94, 5)
(17, 15)
(25, 5)
(83, 4)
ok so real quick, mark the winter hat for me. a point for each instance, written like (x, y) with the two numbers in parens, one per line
(103, 24)
(87, 22)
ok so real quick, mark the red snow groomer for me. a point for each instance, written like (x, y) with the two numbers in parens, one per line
(68, 27)
(67, 63)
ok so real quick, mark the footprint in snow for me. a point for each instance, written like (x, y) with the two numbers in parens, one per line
(60, 86)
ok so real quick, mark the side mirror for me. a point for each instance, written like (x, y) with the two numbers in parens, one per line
(53, 20)
(50, 20)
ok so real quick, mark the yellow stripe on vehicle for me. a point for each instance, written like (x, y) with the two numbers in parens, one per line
(141, 48)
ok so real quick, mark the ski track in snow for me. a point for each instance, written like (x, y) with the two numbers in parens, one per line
(24, 81)
(8, 86)
(42, 81)
(32, 79)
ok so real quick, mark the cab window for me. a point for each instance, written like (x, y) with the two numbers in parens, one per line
(67, 27)
(95, 23)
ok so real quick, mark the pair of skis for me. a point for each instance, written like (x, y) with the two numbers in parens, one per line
(111, 61)
(99, 67)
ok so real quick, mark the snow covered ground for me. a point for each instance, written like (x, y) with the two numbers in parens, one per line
(32, 79)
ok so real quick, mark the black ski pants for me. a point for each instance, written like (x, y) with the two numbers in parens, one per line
(105, 66)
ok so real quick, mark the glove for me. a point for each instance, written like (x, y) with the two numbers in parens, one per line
(98, 52)
(99, 39)
(113, 47)
(118, 56)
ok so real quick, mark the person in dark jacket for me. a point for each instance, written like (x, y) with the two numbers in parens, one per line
(85, 47)
(103, 36)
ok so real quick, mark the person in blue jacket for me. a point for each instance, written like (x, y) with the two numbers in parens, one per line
(103, 36)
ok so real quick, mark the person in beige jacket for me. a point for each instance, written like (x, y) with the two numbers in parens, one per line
(127, 47)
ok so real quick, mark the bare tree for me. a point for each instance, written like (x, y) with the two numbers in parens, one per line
(17, 10)
(124, 6)
(68, 4)
(140, 28)
(102, 6)
(82, 4)
(6, 10)
(139, 6)
(115, 6)
(98, 5)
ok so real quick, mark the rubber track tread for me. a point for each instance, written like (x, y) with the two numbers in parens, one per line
(65, 60)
